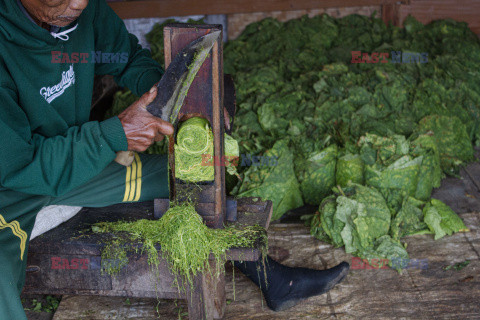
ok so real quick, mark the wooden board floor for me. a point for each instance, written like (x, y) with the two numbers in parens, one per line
(365, 293)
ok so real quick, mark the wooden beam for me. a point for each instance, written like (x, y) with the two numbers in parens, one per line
(169, 8)
(427, 11)
(390, 13)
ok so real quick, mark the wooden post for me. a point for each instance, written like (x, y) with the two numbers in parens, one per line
(390, 12)
(207, 301)
(214, 292)
(218, 127)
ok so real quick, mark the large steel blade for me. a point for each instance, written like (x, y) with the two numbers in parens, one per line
(174, 85)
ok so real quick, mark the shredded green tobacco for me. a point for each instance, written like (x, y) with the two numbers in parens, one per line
(184, 240)
(194, 144)
(194, 160)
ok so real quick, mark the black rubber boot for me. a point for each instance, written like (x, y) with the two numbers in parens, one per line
(284, 287)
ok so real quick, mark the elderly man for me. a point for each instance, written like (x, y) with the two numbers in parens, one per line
(51, 154)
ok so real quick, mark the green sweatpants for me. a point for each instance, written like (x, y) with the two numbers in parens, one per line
(146, 179)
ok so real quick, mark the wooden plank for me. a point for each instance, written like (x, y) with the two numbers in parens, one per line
(67, 259)
(207, 301)
(64, 269)
(364, 294)
(136, 280)
(462, 194)
(472, 170)
(214, 293)
(367, 293)
(165, 8)
(195, 300)
(458, 194)
(218, 129)
(101, 308)
(167, 41)
(38, 315)
(429, 10)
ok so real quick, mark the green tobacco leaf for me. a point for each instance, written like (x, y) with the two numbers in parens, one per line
(270, 121)
(382, 150)
(347, 210)
(359, 220)
(430, 174)
(396, 181)
(316, 229)
(409, 220)
(350, 168)
(365, 217)
(277, 183)
(441, 219)
(331, 227)
(317, 174)
(324, 226)
(386, 248)
(374, 221)
(451, 137)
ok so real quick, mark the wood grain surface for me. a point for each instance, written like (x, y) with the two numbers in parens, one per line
(364, 294)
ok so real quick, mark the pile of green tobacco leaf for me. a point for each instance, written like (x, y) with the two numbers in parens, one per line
(366, 141)
(182, 238)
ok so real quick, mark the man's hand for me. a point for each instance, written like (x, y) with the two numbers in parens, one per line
(141, 127)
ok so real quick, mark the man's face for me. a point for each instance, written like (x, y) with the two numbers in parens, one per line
(55, 12)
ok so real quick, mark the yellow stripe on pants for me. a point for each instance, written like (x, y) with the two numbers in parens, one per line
(133, 180)
(127, 183)
(17, 231)
(139, 178)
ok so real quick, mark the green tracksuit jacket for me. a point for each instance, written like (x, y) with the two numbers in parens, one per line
(49, 152)
(48, 146)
